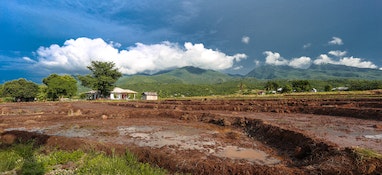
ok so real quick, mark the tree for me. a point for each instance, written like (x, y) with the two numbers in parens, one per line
(103, 77)
(242, 87)
(301, 85)
(1, 90)
(59, 86)
(42, 94)
(271, 86)
(328, 88)
(286, 89)
(20, 90)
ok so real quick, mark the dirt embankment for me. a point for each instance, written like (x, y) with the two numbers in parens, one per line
(202, 136)
(367, 108)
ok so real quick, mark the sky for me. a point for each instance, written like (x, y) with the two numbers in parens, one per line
(41, 37)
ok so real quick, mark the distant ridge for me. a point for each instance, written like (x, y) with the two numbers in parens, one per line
(184, 75)
(193, 75)
(315, 72)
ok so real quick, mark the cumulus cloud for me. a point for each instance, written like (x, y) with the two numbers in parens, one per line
(347, 61)
(76, 54)
(302, 62)
(337, 53)
(336, 57)
(274, 58)
(357, 62)
(335, 41)
(245, 39)
(323, 59)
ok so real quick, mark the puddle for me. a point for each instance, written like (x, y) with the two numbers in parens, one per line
(373, 136)
(154, 136)
(252, 155)
(34, 129)
(75, 131)
(181, 137)
(189, 138)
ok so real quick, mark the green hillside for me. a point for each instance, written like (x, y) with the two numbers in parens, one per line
(315, 72)
(186, 82)
(185, 75)
(191, 81)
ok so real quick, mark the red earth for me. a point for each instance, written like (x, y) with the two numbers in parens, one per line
(213, 136)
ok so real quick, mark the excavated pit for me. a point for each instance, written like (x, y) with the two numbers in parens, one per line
(211, 136)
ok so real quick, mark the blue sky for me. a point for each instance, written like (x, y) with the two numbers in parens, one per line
(142, 36)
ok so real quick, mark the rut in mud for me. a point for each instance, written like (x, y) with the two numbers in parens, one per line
(204, 136)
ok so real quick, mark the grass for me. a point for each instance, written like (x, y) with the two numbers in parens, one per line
(367, 153)
(299, 95)
(27, 159)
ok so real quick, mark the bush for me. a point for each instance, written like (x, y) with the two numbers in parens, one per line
(26, 159)
(8, 99)
(328, 88)
(10, 160)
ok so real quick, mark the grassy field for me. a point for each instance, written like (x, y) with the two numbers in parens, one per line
(305, 95)
(27, 159)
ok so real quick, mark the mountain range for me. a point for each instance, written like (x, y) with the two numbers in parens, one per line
(193, 75)
(315, 72)
(185, 75)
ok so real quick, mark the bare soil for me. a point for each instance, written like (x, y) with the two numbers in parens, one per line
(279, 136)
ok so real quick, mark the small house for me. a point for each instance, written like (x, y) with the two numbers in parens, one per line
(122, 94)
(149, 96)
(92, 95)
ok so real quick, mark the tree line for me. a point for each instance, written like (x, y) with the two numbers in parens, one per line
(102, 78)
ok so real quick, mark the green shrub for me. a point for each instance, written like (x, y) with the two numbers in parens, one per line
(27, 159)
(20, 158)
(10, 160)
(99, 163)
(59, 157)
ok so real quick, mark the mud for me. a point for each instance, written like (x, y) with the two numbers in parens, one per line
(288, 136)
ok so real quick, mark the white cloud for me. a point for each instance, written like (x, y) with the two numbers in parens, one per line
(274, 59)
(335, 41)
(337, 53)
(245, 39)
(357, 62)
(257, 62)
(307, 45)
(347, 61)
(238, 68)
(27, 59)
(339, 58)
(76, 54)
(302, 62)
(323, 59)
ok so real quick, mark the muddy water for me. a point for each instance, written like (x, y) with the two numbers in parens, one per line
(155, 136)
(189, 138)
(252, 155)
(379, 136)
(176, 137)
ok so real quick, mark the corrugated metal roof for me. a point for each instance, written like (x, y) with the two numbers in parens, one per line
(118, 90)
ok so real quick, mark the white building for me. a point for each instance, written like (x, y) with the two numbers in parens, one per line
(122, 94)
(149, 96)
